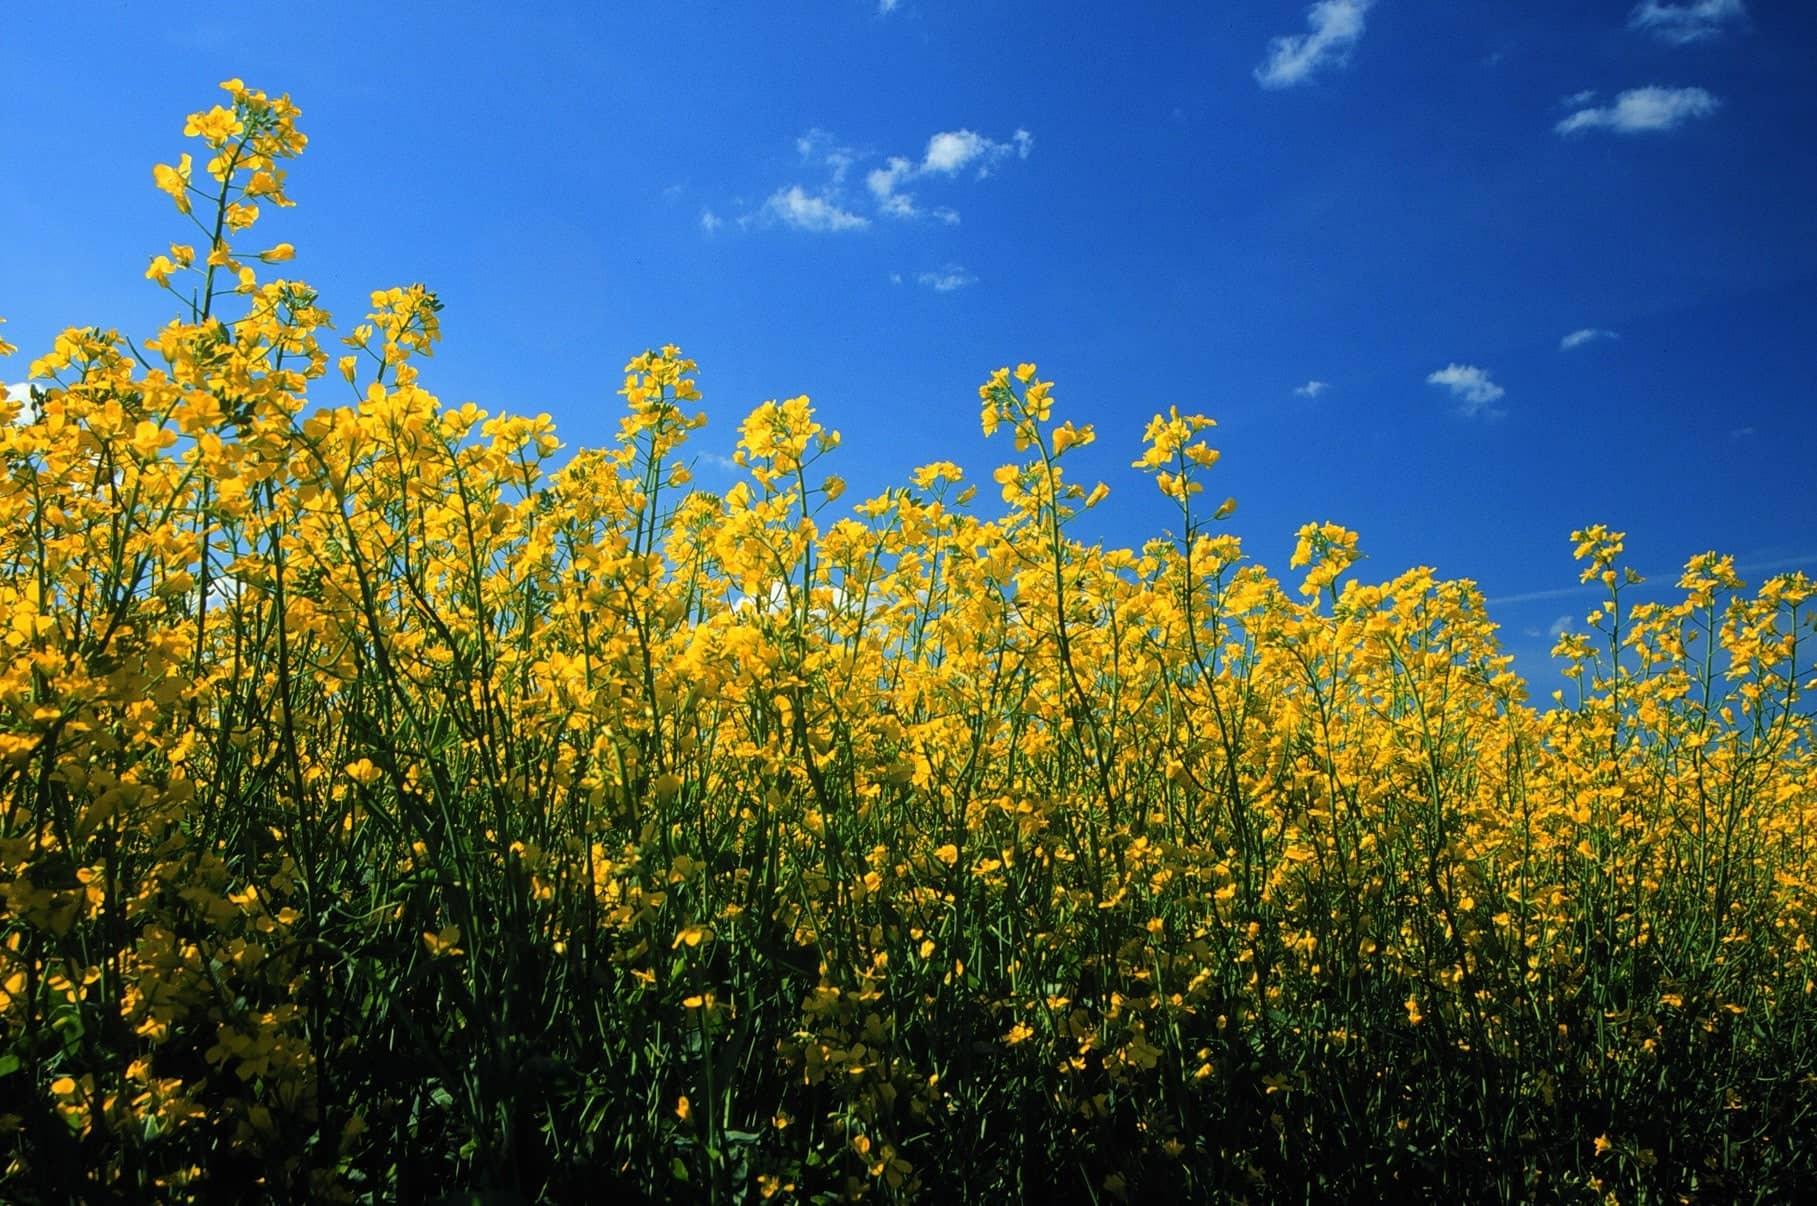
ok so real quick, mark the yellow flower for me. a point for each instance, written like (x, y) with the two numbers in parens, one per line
(691, 936)
(174, 180)
(444, 942)
(214, 127)
(363, 772)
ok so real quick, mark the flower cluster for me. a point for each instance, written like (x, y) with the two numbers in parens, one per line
(387, 810)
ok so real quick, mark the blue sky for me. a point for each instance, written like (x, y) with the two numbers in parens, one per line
(1414, 206)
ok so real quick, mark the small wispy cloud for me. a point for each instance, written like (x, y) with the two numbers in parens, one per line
(833, 204)
(1689, 21)
(720, 460)
(948, 153)
(1578, 100)
(1583, 335)
(1311, 389)
(1476, 394)
(1333, 29)
(883, 182)
(887, 6)
(819, 146)
(1776, 563)
(1757, 563)
(818, 211)
(1741, 433)
(1561, 626)
(947, 279)
(795, 206)
(1649, 110)
(952, 150)
(710, 221)
(1541, 596)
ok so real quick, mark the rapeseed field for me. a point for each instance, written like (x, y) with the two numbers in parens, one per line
(387, 813)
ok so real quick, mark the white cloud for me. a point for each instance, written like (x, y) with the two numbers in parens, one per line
(710, 221)
(887, 6)
(947, 279)
(1311, 389)
(825, 601)
(950, 150)
(953, 149)
(1578, 100)
(1689, 21)
(22, 394)
(819, 146)
(947, 153)
(1334, 27)
(1741, 433)
(830, 205)
(1560, 626)
(803, 210)
(1643, 110)
(224, 590)
(883, 181)
(1476, 394)
(1583, 335)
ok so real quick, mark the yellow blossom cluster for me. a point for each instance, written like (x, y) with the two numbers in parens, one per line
(387, 810)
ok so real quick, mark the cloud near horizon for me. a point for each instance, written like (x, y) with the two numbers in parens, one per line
(1334, 27)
